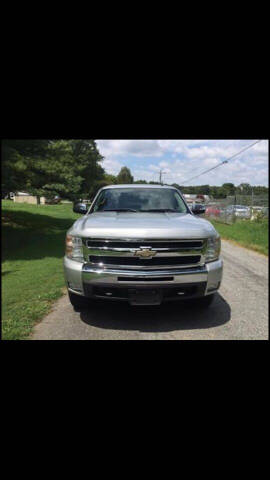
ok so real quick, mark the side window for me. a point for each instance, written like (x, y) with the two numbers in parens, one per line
(179, 202)
(100, 202)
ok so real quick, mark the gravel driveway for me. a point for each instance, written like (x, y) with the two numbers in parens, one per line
(239, 312)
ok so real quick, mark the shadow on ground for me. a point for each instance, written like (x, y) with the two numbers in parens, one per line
(33, 236)
(163, 318)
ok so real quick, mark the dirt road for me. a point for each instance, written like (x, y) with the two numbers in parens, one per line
(239, 312)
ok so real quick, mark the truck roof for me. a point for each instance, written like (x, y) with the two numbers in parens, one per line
(138, 185)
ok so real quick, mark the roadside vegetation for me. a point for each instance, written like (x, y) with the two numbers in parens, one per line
(32, 255)
(249, 234)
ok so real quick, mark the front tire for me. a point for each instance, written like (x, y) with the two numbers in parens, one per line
(78, 302)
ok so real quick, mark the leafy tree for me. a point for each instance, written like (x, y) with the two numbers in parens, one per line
(87, 166)
(204, 190)
(54, 173)
(260, 190)
(141, 181)
(16, 155)
(244, 189)
(124, 176)
(106, 181)
(110, 179)
(228, 188)
(68, 168)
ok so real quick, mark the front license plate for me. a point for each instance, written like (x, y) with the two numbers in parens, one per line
(145, 297)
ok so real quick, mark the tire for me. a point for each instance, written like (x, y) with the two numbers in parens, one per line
(205, 302)
(78, 302)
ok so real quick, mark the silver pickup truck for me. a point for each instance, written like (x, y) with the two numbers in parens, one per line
(141, 244)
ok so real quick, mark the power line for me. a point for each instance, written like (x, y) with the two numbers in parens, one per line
(222, 163)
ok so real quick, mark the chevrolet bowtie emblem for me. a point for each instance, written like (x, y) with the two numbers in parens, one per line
(145, 253)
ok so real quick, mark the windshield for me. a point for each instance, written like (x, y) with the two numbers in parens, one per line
(139, 200)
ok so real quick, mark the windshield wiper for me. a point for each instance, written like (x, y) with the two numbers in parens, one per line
(119, 210)
(160, 210)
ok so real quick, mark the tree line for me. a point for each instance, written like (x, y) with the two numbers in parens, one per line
(66, 168)
(73, 169)
(227, 189)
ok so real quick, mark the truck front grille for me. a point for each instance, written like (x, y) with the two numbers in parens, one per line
(125, 253)
(179, 245)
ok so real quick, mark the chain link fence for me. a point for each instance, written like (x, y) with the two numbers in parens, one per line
(239, 207)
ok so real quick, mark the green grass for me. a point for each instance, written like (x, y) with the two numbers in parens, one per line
(32, 263)
(252, 235)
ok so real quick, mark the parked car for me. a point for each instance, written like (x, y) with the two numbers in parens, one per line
(241, 211)
(141, 244)
(258, 209)
(53, 201)
(212, 211)
(258, 212)
(198, 208)
(265, 211)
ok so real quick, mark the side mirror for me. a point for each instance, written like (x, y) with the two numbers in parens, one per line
(80, 208)
(198, 209)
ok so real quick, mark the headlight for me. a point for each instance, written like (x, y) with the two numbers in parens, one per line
(74, 248)
(213, 249)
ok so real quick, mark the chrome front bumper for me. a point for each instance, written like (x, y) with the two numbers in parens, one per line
(77, 275)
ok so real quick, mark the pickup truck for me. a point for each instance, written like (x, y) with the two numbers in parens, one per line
(141, 244)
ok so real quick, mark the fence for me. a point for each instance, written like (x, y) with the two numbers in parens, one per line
(239, 207)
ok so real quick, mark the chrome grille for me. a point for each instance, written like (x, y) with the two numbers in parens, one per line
(105, 244)
(123, 253)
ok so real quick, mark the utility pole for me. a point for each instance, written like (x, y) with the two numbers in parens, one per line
(160, 176)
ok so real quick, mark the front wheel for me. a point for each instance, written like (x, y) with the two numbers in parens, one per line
(78, 302)
(205, 302)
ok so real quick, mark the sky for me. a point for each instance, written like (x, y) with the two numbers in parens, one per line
(183, 159)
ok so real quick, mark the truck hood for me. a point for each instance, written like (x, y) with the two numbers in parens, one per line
(142, 225)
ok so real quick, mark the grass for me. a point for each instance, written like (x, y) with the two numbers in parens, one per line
(32, 263)
(252, 235)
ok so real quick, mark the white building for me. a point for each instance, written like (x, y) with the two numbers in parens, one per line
(24, 197)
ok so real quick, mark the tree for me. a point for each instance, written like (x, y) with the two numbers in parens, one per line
(55, 173)
(68, 168)
(106, 181)
(110, 179)
(217, 192)
(244, 189)
(15, 165)
(87, 158)
(228, 189)
(204, 190)
(124, 176)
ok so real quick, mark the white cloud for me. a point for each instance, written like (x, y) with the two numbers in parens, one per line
(112, 166)
(183, 159)
(140, 148)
